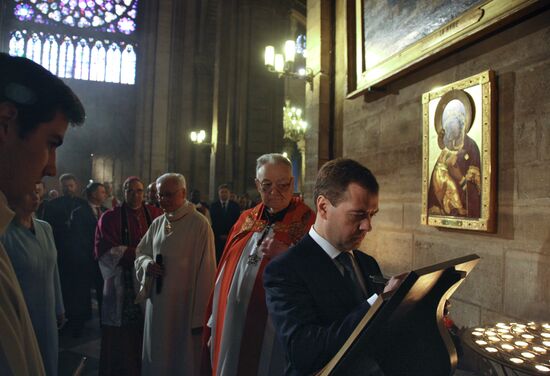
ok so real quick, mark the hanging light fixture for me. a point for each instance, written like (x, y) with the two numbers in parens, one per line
(198, 137)
(293, 124)
(291, 63)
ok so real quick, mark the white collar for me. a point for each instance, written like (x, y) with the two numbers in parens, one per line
(180, 212)
(324, 244)
(6, 214)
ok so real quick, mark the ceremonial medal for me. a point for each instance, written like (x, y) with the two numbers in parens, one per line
(253, 259)
(168, 228)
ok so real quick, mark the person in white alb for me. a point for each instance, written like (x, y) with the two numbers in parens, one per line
(175, 263)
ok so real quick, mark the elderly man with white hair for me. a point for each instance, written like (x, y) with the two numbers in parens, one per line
(239, 338)
(175, 262)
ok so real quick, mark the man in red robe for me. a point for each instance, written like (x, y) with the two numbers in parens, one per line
(239, 337)
(118, 233)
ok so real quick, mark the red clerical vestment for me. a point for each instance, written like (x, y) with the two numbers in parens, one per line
(239, 338)
(121, 228)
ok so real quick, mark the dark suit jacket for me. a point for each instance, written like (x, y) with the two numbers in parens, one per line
(59, 215)
(222, 221)
(311, 308)
(81, 270)
(83, 228)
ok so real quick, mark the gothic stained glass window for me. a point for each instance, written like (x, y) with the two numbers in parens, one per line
(97, 64)
(49, 54)
(129, 62)
(82, 60)
(66, 53)
(17, 44)
(34, 46)
(301, 44)
(113, 64)
(111, 16)
(108, 56)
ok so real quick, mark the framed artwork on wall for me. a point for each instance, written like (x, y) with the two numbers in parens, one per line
(387, 39)
(458, 154)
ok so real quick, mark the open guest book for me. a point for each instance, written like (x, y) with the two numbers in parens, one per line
(404, 332)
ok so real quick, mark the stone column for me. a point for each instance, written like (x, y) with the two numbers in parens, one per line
(318, 97)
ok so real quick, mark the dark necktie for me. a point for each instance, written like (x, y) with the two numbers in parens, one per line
(345, 260)
(97, 212)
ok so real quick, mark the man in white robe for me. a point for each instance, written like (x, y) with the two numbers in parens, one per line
(174, 315)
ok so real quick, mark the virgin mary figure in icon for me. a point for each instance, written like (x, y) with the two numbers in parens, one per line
(455, 183)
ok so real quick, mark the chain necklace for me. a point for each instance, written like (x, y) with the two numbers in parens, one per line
(254, 257)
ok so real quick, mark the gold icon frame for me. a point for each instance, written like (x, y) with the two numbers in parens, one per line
(473, 24)
(478, 97)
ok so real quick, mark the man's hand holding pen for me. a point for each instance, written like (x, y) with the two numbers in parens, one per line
(395, 282)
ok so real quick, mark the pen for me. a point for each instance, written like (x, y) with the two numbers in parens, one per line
(378, 279)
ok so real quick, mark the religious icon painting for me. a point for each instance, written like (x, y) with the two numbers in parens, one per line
(458, 154)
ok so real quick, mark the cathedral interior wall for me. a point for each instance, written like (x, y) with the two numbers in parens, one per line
(511, 281)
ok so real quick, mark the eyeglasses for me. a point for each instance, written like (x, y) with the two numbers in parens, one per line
(168, 195)
(134, 191)
(267, 186)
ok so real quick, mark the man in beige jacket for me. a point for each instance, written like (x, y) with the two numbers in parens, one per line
(35, 110)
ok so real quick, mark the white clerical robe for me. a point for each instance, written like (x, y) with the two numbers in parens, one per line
(272, 361)
(185, 240)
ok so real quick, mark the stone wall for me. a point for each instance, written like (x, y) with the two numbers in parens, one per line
(512, 280)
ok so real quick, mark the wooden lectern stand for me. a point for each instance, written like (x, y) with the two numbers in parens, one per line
(404, 332)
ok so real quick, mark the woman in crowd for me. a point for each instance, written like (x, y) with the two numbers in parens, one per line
(31, 249)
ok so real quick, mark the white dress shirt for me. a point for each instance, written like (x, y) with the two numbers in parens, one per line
(332, 252)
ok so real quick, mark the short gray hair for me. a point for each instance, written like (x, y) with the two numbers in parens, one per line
(272, 158)
(172, 175)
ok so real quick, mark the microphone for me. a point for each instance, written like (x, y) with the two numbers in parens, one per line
(159, 261)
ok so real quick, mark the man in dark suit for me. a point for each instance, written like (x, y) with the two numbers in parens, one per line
(82, 271)
(60, 215)
(224, 214)
(319, 290)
